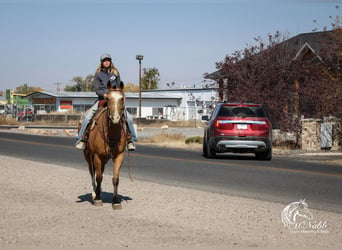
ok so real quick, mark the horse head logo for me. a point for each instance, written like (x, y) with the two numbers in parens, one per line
(295, 212)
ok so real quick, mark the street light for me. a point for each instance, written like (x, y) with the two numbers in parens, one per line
(139, 58)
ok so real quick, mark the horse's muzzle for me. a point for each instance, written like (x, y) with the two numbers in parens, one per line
(115, 118)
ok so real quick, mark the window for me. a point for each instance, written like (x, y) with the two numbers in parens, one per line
(157, 111)
(242, 111)
(132, 111)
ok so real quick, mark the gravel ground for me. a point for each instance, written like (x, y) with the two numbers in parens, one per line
(46, 205)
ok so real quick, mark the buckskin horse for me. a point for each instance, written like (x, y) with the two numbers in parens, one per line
(107, 139)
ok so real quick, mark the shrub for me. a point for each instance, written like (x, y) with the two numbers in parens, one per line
(194, 139)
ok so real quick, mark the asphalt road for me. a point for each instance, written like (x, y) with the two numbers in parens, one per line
(284, 179)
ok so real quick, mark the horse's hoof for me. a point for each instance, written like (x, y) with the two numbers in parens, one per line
(116, 206)
(98, 203)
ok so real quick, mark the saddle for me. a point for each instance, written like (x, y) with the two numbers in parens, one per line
(102, 107)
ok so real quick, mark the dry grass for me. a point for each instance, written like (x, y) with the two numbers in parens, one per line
(160, 138)
(12, 121)
(55, 123)
(8, 121)
(145, 123)
(171, 140)
(160, 123)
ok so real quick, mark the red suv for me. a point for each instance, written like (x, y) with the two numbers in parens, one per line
(238, 128)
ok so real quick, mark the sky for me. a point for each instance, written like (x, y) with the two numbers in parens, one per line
(44, 42)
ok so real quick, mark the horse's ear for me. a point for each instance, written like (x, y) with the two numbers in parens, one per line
(109, 85)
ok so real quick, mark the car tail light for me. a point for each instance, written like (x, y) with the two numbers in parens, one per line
(261, 125)
(223, 124)
(216, 123)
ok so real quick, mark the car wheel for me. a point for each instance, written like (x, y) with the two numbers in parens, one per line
(207, 151)
(264, 156)
(204, 149)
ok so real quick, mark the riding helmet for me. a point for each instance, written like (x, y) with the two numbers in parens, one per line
(105, 56)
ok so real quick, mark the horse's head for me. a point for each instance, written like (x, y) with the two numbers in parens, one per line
(115, 105)
(303, 210)
(294, 212)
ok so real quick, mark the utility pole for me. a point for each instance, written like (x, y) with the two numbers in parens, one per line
(139, 58)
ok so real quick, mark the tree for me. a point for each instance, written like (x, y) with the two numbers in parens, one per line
(260, 73)
(25, 89)
(130, 87)
(84, 85)
(150, 78)
(288, 85)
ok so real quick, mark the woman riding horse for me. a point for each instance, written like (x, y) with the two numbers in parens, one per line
(106, 72)
(107, 139)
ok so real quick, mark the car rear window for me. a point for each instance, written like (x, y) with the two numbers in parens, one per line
(233, 111)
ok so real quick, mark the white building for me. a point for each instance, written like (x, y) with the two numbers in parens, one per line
(193, 103)
(171, 104)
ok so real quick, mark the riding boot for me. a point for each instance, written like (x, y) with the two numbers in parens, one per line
(83, 142)
(130, 143)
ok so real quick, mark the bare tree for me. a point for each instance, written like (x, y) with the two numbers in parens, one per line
(260, 73)
(289, 82)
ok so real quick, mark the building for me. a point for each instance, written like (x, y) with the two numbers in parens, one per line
(171, 104)
(193, 102)
(305, 47)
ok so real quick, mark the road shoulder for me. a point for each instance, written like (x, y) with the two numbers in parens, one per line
(48, 205)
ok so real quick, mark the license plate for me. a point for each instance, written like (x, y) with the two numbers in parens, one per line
(242, 126)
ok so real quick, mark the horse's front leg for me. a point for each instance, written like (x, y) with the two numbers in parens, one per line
(117, 161)
(99, 168)
(91, 167)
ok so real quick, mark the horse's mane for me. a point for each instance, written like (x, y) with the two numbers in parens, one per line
(287, 213)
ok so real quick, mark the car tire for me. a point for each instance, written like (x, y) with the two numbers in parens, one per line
(204, 148)
(207, 151)
(264, 156)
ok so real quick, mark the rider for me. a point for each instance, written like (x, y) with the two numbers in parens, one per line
(106, 72)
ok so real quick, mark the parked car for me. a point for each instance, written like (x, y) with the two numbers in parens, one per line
(25, 114)
(3, 110)
(238, 128)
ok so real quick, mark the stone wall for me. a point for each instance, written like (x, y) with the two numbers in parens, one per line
(311, 130)
(311, 134)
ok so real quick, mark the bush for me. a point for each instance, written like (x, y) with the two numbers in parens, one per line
(194, 139)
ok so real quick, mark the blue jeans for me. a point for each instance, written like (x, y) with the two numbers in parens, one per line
(129, 121)
(90, 114)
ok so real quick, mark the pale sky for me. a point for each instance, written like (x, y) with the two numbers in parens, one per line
(43, 42)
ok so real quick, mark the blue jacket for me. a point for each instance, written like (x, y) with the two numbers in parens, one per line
(102, 79)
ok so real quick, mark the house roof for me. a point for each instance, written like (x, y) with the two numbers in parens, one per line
(300, 43)
(314, 39)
